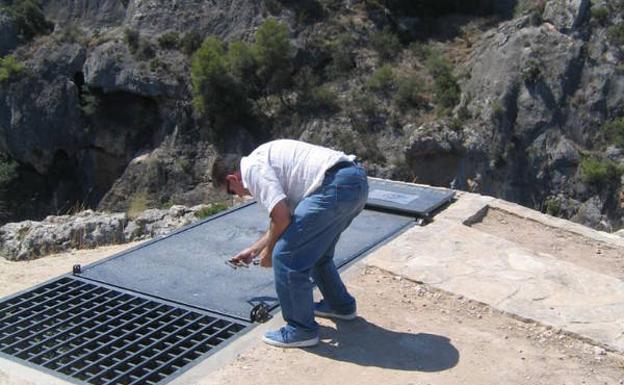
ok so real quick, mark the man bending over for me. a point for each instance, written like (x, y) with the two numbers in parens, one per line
(311, 194)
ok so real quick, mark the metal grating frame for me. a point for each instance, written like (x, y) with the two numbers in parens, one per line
(99, 335)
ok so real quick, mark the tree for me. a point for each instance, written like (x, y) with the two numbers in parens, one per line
(29, 19)
(217, 94)
(273, 53)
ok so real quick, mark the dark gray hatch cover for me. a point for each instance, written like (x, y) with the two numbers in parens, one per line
(189, 266)
(419, 201)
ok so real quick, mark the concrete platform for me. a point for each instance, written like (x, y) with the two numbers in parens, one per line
(451, 255)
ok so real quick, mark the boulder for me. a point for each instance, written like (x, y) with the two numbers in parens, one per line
(590, 214)
(154, 222)
(567, 15)
(435, 153)
(88, 229)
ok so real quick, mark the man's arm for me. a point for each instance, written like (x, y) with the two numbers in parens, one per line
(280, 219)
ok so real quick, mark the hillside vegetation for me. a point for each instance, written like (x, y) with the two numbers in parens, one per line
(129, 101)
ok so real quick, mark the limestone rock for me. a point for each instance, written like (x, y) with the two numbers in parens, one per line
(88, 229)
(435, 152)
(93, 14)
(153, 223)
(567, 15)
(179, 174)
(112, 68)
(590, 214)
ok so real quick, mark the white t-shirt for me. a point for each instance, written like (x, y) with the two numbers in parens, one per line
(287, 169)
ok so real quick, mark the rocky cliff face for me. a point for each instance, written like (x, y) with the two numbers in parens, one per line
(8, 34)
(536, 96)
(102, 114)
(86, 106)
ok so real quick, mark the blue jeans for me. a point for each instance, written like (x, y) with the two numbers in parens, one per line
(306, 248)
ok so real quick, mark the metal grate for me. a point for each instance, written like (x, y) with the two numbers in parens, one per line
(105, 336)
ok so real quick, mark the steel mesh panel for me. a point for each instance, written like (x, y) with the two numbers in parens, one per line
(104, 336)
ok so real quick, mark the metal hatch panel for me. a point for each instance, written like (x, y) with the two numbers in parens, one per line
(404, 198)
(189, 266)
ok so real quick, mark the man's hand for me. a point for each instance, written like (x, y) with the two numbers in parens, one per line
(244, 257)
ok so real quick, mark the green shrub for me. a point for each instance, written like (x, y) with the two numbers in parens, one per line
(190, 42)
(553, 206)
(10, 69)
(132, 39)
(8, 169)
(446, 89)
(156, 65)
(600, 171)
(324, 99)
(72, 34)
(420, 51)
(241, 63)
(382, 80)
(216, 92)
(366, 103)
(145, 50)
(532, 72)
(273, 53)
(498, 111)
(29, 19)
(138, 203)
(209, 75)
(616, 34)
(386, 43)
(600, 14)
(341, 51)
(409, 93)
(210, 210)
(139, 47)
(312, 98)
(169, 40)
(613, 131)
(89, 102)
(229, 81)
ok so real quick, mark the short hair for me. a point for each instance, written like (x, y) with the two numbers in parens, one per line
(224, 165)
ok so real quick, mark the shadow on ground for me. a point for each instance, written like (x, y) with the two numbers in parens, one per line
(367, 344)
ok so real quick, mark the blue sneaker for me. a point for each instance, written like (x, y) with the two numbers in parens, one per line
(322, 309)
(286, 337)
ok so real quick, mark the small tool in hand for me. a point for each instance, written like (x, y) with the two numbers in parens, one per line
(236, 264)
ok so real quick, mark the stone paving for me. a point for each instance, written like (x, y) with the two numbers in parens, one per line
(450, 255)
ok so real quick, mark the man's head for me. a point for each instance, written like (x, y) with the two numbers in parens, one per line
(226, 174)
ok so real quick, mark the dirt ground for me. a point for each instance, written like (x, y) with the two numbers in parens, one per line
(20, 275)
(411, 334)
(407, 334)
(561, 244)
